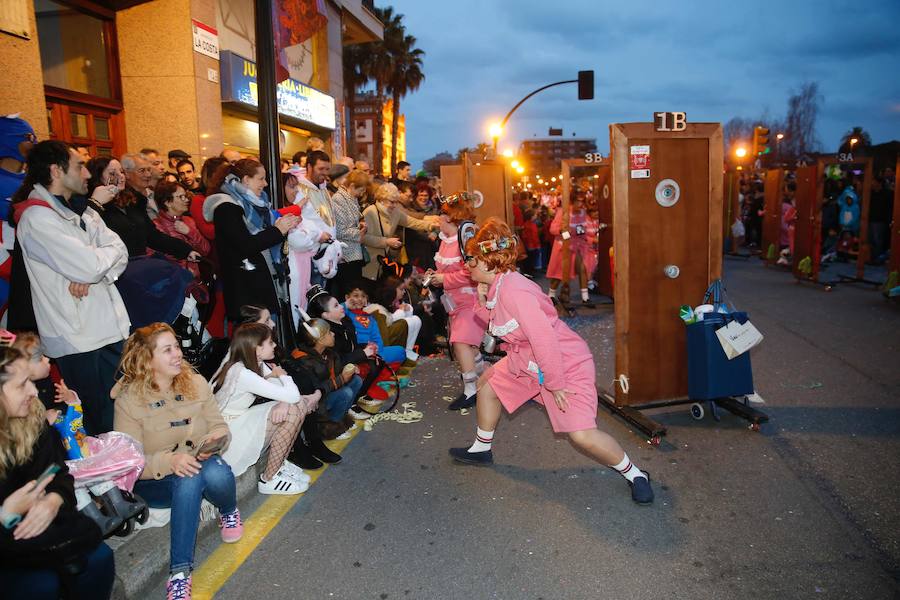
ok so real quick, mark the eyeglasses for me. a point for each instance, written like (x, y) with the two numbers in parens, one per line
(179, 196)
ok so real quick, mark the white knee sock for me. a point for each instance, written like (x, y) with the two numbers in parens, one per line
(413, 325)
(479, 364)
(628, 470)
(551, 292)
(584, 295)
(470, 381)
(483, 440)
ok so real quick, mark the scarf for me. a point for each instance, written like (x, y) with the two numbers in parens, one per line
(258, 215)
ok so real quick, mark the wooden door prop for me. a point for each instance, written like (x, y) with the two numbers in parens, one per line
(667, 210)
(771, 222)
(488, 180)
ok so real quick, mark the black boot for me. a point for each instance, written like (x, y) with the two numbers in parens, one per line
(303, 457)
(321, 451)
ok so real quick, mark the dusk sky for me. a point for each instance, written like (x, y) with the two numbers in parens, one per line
(710, 59)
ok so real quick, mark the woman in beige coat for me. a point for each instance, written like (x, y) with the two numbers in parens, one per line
(170, 409)
(382, 221)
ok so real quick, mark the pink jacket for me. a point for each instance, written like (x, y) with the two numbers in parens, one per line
(538, 344)
(457, 281)
(166, 223)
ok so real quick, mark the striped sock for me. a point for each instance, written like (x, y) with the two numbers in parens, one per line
(479, 363)
(483, 440)
(470, 383)
(627, 469)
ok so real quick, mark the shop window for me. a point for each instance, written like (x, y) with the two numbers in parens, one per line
(74, 49)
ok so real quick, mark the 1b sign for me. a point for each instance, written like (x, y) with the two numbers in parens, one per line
(670, 121)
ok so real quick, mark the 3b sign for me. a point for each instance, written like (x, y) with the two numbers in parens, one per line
(593, 157)
(670, 121)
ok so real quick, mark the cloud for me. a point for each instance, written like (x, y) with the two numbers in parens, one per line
(708, 58)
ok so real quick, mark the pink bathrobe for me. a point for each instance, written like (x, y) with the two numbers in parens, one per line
(578, 244)
(465, 326)
(543, 354)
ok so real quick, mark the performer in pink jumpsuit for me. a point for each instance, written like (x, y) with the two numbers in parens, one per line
(580, 247)
(545, 361)
(466, 327)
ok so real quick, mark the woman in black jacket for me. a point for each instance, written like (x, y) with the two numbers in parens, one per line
(248, 236)
(127, 214)
(47, 548)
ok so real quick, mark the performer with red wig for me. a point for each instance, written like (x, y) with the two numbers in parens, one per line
(545, 361)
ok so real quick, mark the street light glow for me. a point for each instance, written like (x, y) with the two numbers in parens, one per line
(553, 179)
(508, 153)
(779, 136)
(495, 130)
(520, 169)
(853, 141)
(515, 164)
(741, 152)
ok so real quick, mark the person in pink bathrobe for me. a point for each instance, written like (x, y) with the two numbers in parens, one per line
(580, 247)
(466, 327)
(545, 361)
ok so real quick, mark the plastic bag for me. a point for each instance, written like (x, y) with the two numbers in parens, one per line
(737, 229)
(113, 456)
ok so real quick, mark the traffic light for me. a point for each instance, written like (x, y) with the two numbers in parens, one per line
(585, 85)
(761, 141)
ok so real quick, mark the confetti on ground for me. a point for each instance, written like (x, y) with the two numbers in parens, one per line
(407, 416)
(448, 398)
(428, 436)
(464, 411)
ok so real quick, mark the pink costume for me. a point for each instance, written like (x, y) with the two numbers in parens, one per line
(465, 326)
(578, 244)
(542, 354)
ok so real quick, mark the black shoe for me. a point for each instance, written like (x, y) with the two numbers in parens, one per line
(321, 451)
(302, 457)
(641, 492)
(463, 401)
(462, 455)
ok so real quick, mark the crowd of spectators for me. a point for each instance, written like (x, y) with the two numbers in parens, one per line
(133, 276)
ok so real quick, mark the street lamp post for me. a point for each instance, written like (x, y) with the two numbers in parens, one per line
(778, 138)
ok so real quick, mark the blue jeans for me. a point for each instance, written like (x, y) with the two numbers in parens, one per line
(94, 583)
(215, 482)
(338, 402)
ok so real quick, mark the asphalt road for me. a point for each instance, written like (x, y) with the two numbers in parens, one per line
(807, 508)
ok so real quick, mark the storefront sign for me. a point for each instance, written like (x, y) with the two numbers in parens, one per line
(295, 99)
(206, 39)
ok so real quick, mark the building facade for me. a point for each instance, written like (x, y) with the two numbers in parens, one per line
(372, 122)
(543, 155)
(121, 75)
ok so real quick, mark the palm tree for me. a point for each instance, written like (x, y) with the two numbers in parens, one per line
(407, 76)
(381, 67)
(356, 64)
(862, 137)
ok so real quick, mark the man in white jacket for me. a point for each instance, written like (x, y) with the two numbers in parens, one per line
(73, 261)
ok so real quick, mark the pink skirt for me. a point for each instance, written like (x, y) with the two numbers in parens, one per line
(515, 390)
(466, 327)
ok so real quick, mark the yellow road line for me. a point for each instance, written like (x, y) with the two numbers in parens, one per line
(215, 571)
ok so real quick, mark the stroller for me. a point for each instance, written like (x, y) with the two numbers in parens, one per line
(105, 469)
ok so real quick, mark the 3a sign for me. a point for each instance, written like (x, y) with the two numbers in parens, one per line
(670, 121)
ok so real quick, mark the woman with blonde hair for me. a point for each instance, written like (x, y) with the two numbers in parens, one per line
(45, 544)
(350, 229)
(545, 361)
(382, 221)
(168, 407)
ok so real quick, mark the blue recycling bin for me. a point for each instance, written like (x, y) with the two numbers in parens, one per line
(710, 374)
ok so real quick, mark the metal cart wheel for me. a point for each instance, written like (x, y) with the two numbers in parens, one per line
(697, 411)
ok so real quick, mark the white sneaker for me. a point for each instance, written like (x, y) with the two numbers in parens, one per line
(344, 436)
(281, 485)
(359, 415)
(291, 470)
